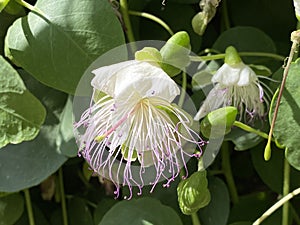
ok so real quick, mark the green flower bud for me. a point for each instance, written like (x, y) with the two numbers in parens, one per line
(149, 54)
(218, 122)
(201, 19)
(175, 53)
(232, 57)
(193, 193)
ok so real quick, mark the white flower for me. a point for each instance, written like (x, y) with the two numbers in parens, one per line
(235, 85)
(131, 117)
(297, 7)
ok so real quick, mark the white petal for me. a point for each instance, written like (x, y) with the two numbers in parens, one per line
(147, 81)
(121, 80)
(214, 100)
(247, 76)
(297, 7)
(227, 75)
(105, 77)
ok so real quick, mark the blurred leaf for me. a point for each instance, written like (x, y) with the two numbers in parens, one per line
(182, 1)
(180, 21)
(79, 212)
(104, 206)
(242, 140)
(247, 39)
(39, 217)
(288, 118)
(271, 171)
(217, 211)
(242, 223)
(3, 4)
(65, 141)
(21, 114)
(86, 29)
(166, 195)
(251, 207)
(11, 208)
(14, 8)
(36, 160)
(241, 14)
(56, 217)
(141, 211)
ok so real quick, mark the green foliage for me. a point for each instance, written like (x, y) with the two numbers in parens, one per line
(11, 208)
(288, 118)
(217, 211)
(57, 28)
(79, 212)
(21, 114)
(142, 211)
(3, 4)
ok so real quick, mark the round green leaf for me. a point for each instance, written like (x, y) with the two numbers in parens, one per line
(11, 208)
(27, 164)
(57, 47)
(143, 211)
(217, 211)
(271, 171)
(102, 208)
(288, 118)
(246, 39)
(21, 114)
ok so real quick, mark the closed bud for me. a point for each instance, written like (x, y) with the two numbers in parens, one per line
(175, 53)
(218, 122)
(193, 193)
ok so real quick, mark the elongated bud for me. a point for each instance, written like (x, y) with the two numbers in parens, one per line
(175, 53)
(232, 57)
(193, 193)
(218, 122)
(201, 19)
